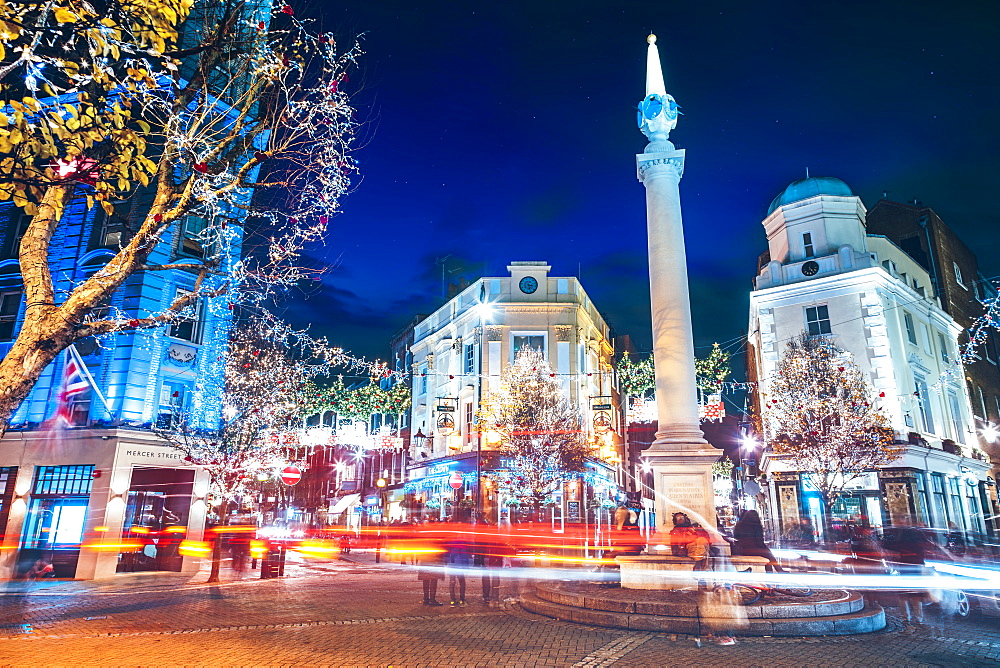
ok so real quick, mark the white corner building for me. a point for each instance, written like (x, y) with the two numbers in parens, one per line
(457, 355)
(825, 276)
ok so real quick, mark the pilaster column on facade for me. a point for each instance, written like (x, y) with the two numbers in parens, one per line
(15, 520)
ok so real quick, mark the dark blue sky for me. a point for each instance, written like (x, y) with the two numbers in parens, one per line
(506, 131)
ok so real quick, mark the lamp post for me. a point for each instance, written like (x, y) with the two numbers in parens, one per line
(417, 441)
(380, 483)
(484, 310)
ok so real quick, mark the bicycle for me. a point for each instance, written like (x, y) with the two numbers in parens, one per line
(750, 594)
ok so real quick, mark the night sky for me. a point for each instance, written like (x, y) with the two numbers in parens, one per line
(506, 131)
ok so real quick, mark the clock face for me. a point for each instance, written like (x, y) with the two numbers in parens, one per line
(810, 268)
(528, 285)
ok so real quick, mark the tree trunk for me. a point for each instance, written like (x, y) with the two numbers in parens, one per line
(213, 576)
(39, 342)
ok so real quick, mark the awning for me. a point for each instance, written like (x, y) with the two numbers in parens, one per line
(345, 503)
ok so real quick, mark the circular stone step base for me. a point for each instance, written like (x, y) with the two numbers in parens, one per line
(865, 620)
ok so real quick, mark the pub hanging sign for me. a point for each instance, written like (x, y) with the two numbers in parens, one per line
(445, 424)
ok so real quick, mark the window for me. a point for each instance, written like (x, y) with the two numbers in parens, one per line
(928, 346)
(114, 230)
(958, 275)
(916, 286)
(63, 479)
(173, 402)
(562, 286)
(423, 379)
(911, 331)
(924, 406)
(940, 507)
(943, 343)
(889, 266)
(535, 341)
(192, 241)
(469, 422)
(989, 348)
(10, 304)
(956, 417)
(189, 325)
(470, 358)
(817, 320)
(19, 222)
(807, 245)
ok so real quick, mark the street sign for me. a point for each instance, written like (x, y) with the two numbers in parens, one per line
(455, 480)
(290, 475)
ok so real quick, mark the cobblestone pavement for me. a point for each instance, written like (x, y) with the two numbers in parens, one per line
(362, 614)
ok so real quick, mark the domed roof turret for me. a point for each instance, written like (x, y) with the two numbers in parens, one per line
(810, 187)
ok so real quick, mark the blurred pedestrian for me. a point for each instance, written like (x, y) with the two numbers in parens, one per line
(379, 544)
(680, 535)
(429, 570)
(489, 553)
(458, 558)
(748, 537)
(40, 569)
(910, 547)
(803, 534)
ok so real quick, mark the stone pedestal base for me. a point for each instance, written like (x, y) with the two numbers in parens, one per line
(682, 482)
(669, 573)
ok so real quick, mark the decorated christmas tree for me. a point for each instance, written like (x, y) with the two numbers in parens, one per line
(265, 367)
(539, 431)
(820, 416)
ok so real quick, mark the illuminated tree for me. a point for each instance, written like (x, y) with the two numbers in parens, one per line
(711, 372)
(540, 437)
(636, 378)
(820, 417)
(201, 121)
(265, 369)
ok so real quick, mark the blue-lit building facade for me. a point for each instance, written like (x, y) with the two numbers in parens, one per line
(107, 494)
(109, 475)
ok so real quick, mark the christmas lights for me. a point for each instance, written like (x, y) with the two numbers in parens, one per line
(541, 444)
(819, 416)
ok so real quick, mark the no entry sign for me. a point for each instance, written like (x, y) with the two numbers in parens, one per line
(290, 475)
(456, 480)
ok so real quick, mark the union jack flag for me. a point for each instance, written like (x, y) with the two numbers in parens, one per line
(74, 380)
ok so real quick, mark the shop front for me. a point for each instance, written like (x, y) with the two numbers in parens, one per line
(96, 502)
(952, 495)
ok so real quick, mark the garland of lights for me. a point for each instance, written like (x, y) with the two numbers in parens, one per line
(980, 330)
(356, 403)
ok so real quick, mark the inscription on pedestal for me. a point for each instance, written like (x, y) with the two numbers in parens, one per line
(685, 493)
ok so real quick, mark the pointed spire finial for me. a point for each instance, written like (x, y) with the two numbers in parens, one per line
(654, 75)
(657, 111)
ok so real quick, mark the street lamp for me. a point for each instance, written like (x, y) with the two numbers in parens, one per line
(380, 483)
(990, 432)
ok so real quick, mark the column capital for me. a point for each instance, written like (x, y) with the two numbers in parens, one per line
(651, 166)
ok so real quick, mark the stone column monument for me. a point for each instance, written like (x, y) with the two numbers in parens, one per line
(680, 457)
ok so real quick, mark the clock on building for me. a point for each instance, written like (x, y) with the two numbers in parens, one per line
(528, 285)
(810, 268)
